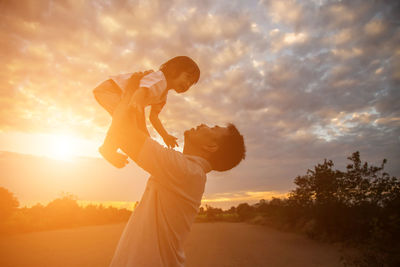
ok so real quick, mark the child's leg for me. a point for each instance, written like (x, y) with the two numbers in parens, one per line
(109, 148)
(108, 95)
(110, 145)
(111, 142)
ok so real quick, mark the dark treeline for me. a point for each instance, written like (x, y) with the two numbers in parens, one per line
(359, 206)
(63, 212)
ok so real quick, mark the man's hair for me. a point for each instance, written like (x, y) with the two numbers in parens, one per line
(175, 66)
(230, 152)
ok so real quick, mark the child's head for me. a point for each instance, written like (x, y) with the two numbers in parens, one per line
(180, 72)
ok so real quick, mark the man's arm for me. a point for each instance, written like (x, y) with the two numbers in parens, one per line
(132, 140)
(141, 121)
(163, 163)
(138, 103)
(131, 137)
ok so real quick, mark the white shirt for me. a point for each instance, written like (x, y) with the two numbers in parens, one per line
(159, 226)
(155, 82)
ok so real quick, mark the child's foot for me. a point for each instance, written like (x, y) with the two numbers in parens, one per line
(117, 159)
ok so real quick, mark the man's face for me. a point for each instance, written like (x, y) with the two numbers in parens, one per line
(203, 135)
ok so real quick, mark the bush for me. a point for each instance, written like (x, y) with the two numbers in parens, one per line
(62, 212)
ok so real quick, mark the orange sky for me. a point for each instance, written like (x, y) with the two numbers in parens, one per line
(302, 80)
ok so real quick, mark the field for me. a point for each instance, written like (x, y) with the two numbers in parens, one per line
(210, 244)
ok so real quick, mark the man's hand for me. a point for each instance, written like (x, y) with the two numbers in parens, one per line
(170, 141)
(134, 80)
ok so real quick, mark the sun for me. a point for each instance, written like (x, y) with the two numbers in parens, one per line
(62, 147)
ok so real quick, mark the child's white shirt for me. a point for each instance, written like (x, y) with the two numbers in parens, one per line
(155, 82)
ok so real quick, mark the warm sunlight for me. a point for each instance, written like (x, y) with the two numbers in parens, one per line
(299, 91)
(59, 145)
(62, 147)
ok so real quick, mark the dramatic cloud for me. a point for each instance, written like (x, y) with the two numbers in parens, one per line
(303, 80)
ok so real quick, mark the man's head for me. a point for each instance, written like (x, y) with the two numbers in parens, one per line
(223, 147)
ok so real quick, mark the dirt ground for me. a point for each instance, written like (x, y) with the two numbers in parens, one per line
(209, 245)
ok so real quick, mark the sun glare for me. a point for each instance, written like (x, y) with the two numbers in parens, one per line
(62, 147)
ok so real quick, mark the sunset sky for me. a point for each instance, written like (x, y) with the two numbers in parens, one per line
(302, 80)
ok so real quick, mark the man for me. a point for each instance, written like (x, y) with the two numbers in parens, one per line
(156, 232)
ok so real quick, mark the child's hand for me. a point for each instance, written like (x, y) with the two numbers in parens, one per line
(170, 141)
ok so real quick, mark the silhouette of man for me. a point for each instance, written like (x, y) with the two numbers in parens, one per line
(156, 231)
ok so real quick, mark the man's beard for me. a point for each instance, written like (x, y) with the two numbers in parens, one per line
(186, 139)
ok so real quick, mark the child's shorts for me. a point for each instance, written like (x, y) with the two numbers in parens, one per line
(108, 95)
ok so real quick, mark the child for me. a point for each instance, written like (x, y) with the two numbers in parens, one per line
(178, 73)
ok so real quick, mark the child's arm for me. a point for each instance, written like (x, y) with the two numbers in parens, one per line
(169, 140)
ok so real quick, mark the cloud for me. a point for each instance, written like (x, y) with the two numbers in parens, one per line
(226, 200)
(286, 12)
(303, 80)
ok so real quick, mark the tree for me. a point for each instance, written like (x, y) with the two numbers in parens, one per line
(232, 210)
(365, 183)
(8, 204)
(318, 186)
(212, 213)
(245, 211)
(63, 211)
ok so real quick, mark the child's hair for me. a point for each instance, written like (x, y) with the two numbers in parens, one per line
(175, 66)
